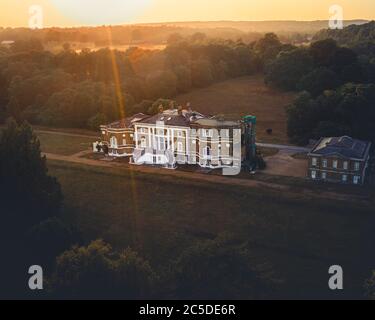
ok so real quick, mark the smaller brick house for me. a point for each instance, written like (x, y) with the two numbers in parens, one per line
(339, 159)
(119, 136)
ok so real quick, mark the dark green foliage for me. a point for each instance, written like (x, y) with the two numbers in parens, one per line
(142, 107)
(319, 80)
(287, 70)
(219, 269)
(353, 35)
(347, 111)
(28, 194)
(96, 271)
(323, 52)
(50, 238)
(77, 89)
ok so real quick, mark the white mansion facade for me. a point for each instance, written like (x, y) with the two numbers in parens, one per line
(175, 136)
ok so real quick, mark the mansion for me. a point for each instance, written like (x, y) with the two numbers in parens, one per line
(177, 136)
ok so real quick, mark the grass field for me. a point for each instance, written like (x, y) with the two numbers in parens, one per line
(63, 144)
(161, 216)
(244, 96)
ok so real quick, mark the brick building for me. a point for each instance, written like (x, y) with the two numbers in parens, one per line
(339, 159)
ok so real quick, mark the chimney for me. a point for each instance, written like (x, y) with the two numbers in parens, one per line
(161, 108)
(180, 110)
(188, 107)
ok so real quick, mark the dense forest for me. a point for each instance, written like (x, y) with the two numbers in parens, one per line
(85, 88)
(336, 75)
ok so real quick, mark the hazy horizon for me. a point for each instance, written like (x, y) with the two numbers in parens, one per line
(71, 13)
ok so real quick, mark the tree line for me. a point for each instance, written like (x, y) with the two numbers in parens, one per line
(336, 84)
(84, 89)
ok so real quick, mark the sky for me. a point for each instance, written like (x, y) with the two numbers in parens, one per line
(66, 13)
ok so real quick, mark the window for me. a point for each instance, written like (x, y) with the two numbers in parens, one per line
(313, 174)
(356, 179)
(207, 151)
(344, 178)
(324, 175)
(113, 142)
(314, 161)
(325, 163)
(124, 142)
(335, 164)
(103, 132)
(345, 165)
(180, 147)
(207, 133)
(356, 166)
(143, 143)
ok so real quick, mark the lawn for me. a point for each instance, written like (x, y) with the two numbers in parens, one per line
(245, 96)
(161, 216)
(63, 144)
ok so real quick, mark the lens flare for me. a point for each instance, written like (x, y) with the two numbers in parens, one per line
(102, 12)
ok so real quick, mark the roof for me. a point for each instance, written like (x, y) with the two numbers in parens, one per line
(345, 147)
(174, 117)
(127, 122)
(215, 123)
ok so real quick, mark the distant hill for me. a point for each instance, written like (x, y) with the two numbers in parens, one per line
(295, 32)
(264, 26)
(351, 35)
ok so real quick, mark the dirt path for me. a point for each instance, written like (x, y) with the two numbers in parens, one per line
(248, 183)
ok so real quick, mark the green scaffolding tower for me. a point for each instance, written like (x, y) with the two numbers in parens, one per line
(249, 135)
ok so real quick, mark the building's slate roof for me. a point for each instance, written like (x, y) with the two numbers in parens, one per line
(174, 117)
(345, 147)
(215, 123)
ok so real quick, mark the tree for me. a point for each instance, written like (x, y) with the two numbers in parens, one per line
(268, 47)
(301, 118)
(319, 80)
(96, 121)
(219, 269)
(161, 84)
(28, 194)
(96, 271)
(288, 68)
(349, 110)
(174, 38)
(323, 52)
(50, 238)
(201, 73)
